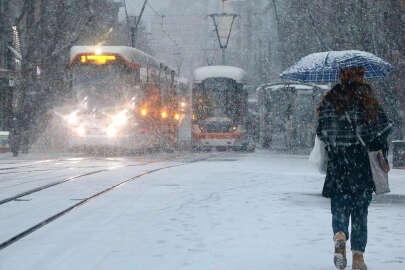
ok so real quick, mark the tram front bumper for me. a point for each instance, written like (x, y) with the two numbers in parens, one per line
(133, 141)
(220, 139)
(97, 140)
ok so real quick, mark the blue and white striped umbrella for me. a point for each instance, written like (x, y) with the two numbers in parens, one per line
(325, 66)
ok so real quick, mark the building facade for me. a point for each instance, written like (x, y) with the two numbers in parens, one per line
(10, 57)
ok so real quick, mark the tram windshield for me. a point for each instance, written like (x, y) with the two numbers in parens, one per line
(104, 85)
(219, 97)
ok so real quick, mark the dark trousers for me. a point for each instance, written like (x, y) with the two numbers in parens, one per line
(354, 207)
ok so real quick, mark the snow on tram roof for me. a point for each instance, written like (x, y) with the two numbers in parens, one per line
(182, 80)
(300, 86)
(130, 54)
(229, 72)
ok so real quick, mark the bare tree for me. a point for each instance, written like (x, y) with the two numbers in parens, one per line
(308, 26)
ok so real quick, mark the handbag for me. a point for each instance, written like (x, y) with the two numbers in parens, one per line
(378, 163)
(319, 155)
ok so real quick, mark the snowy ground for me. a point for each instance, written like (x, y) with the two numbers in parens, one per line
(212, 211)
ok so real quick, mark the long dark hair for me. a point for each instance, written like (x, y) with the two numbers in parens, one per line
(353, 90)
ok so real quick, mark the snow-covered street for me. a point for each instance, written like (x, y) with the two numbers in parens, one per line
(183, 211)
(176, 134)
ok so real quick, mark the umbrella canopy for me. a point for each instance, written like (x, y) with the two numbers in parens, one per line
(325, 66)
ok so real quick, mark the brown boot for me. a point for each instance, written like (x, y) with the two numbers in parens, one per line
(358, 261)
(339, 258)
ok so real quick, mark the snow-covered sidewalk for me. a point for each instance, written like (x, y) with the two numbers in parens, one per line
(233, 211)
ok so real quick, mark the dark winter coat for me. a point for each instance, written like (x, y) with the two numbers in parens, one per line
(348, 170)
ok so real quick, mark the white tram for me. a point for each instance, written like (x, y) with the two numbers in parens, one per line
(219, 104)
(121, 97)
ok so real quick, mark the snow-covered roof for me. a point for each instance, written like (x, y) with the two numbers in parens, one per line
(324, 86)
(298, 86)
(292, 85)
(228, 72)
(182, 80)
(130, 55)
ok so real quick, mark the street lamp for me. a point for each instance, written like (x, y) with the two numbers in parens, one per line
(223, 23)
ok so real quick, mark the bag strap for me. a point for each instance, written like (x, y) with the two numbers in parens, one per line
(355, 130)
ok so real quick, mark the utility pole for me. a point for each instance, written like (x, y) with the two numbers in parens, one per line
(134, 28)
(128, 22)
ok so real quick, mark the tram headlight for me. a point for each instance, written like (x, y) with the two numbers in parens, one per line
(177, 116)
(112, 131)
(163, 115)
(234, 128)
(183, 106)
(120, 119)
(72, 118)
(80, 131)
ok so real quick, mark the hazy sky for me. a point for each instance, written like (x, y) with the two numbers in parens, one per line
(134, 6)
(179, 41)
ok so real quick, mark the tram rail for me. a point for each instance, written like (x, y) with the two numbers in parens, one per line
(40, 188)
(82, 202)
(39, 225)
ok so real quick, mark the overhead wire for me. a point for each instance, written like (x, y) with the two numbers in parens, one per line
(162, 28)
(127, 18)
(153, 9)
(183, 50)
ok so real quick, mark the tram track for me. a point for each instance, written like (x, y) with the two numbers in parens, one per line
(33, 171)
(82, 202)
(40, 188)
(31, 163)
(34, 190)
(17, 167)
(68, 179)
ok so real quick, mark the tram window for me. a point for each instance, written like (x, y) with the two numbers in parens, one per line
(130, 75)
(203, 102)
(218, 97)
(111, 83)
(95, 74)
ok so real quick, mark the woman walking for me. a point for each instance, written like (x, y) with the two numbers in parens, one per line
(351, 105)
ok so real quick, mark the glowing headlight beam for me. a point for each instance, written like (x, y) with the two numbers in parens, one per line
(72, 118)
(120, 119)
(81, 131)
(144, 112)
(112, 131)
